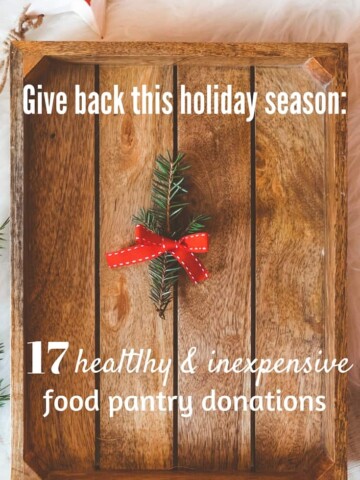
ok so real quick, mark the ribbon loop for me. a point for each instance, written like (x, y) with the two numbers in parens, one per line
(150, 245)
(196, 242)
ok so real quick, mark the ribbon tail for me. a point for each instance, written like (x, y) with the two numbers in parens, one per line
(132, 255)
(191, 264)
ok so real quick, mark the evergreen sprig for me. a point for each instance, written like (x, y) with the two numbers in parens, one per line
(168, 198)
(2, 228)
(4, 397)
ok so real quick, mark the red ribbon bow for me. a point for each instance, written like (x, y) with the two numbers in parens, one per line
(150, 245)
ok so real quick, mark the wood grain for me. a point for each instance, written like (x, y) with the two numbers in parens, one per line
(68, 441)
(215, 315)
(30, 62)
(339, 232)
(19, 469)
(59, 270)
(290, 243)
(128, 147)
(335, 420)
(321, 69)
(196, 53)
(173, 475)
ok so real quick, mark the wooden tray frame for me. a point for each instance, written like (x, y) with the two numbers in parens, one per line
(328, 63)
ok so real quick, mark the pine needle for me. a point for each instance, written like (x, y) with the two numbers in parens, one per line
(4, 397)
(2, 228)
(197, 224)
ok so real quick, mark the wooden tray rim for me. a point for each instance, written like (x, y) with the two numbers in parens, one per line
(26, 55)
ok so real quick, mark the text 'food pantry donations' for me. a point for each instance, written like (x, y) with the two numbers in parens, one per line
(146, 100)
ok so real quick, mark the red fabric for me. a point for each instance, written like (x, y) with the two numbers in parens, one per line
(150, 245)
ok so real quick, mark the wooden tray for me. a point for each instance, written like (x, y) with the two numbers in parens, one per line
(276, 191)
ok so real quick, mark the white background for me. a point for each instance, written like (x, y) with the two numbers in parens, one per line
(208, 20)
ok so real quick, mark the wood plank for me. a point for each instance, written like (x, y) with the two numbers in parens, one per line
(174, 52)
(173, 475)
(18, 375)
(336, 422)
(128, 146)
(215, 315)
(290, 243)
(329, 423)
(59, 270)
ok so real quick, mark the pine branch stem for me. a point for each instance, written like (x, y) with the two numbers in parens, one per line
(168, 202)
(160, 308)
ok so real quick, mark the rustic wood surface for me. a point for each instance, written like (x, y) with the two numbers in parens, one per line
(18, 466)
(30, 62)
(215, 315)
(329, 422)
(172, 475)
(59, 271)
(182, 52)
(146, 443)
(336, 294)
(128, 147)
(321, 69)
(290, 249)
